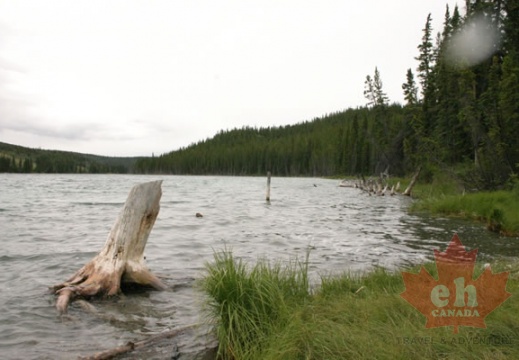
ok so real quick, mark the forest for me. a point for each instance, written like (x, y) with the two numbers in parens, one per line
(19, 159)
(460, 115)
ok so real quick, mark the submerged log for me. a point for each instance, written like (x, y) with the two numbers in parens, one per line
(122, 257)
(151, 341)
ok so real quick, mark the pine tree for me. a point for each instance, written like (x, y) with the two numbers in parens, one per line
(381, 98)
(509, 105)
(410, 89)
(413, 128)
(369, 91)
(511, 25)
(425, 58)
(373, 90)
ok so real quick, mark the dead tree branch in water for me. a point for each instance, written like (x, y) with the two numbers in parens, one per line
(380, 185)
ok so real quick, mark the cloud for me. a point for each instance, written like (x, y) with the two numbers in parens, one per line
(13, 122)
(138, 77)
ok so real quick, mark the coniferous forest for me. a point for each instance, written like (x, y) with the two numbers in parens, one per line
(19, 159)
(459, 116)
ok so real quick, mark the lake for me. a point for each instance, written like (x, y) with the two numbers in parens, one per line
(51, 225)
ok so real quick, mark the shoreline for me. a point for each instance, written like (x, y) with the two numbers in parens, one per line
(267, 311)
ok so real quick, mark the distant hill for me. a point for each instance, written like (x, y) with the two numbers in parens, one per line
(349, 142)
(19, 159)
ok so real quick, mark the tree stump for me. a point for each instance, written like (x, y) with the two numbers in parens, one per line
(122, 257)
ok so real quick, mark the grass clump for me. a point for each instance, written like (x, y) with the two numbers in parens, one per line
(251, 303)
(269, 312)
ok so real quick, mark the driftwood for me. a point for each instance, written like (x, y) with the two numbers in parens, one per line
(413, 181)
(131, 346)
(380, 186)
(122, 257)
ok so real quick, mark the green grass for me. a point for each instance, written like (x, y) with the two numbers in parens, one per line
(268, 311)
(249, 303)
(498, 209)
(430, 186)
(445, 196)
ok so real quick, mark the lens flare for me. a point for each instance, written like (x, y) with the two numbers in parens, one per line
(473, 43)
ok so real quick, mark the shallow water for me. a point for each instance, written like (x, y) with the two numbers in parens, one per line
(51, 225)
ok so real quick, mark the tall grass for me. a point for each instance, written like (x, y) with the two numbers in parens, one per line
(444, 195)
(268, 312)
(498, 209)
(250, 303)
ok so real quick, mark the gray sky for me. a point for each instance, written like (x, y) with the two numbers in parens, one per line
(128, 78)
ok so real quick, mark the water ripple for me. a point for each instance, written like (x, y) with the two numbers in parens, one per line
(53, 224)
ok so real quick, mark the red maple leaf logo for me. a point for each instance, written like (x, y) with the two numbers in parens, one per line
(455, 299)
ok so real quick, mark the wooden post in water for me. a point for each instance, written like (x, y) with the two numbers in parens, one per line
(268, 186)
(122, 257)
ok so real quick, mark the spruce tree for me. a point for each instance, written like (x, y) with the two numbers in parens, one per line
(509, 105)
(425, 58)
(410, 89)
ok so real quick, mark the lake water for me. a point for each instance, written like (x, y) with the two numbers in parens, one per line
(51, 225)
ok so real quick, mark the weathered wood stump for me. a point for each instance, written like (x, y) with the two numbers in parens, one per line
(122, 257)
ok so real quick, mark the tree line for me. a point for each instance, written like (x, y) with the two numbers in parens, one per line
(19, 159)
(339, 143)
(458, 114)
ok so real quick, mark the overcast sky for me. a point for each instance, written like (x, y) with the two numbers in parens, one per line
(131, 78)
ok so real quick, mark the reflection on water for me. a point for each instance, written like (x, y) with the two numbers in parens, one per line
(53, 224)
